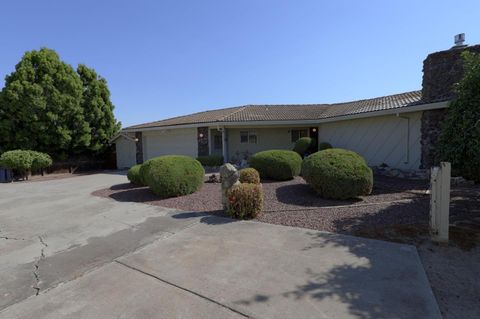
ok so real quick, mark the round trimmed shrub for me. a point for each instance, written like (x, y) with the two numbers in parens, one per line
(303, 145)
(172, 175)
(324, 145)
(338, 174)
(40, 160)
(277, 164)
(19, 161)
(133, 175)
(249, 175)
(245, 201)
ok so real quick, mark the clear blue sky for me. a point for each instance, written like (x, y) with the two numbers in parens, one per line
(174, 57)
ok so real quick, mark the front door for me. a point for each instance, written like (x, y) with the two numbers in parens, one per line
(217, 143)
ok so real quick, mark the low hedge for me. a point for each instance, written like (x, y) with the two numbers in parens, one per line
(338, 174)
(172, 175)
(211, 160)
(23, 161)
(17, 160)
(40, 160)
(277, 164)
(304, 145)
(245, 201)
(134, 176)
(324, 145)
(249, 175)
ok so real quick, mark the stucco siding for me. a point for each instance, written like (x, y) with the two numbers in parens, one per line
(125, 151)
(181, 141)
(267, 139)
(380, 139)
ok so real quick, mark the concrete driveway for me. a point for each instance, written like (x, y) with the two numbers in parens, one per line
(67, 254)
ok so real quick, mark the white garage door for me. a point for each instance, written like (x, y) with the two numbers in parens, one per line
(126, 152)
(170, 142)
(391, 140)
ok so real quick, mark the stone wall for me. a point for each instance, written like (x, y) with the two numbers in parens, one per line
(202, 139)
(139, 147)
(430, 131)
(441, 70)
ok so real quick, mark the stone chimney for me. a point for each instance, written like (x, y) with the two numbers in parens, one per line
(441, 70)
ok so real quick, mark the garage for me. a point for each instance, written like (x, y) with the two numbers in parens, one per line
(181, 141)
(126, 151)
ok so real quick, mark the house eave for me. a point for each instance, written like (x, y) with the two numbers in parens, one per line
(394, 111)
(121, 134)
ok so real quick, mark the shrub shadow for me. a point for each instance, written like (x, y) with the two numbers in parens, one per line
(303, 195)
(206, 218)
(134, 194)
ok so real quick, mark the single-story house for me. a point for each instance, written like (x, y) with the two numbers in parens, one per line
(398, 130)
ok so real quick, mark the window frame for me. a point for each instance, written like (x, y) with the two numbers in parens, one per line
(299, 135)
(250, 137)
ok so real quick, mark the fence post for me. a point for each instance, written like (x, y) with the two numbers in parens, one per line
(440, 202)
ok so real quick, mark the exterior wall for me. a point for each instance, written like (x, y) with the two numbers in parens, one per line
(381, 139)
(267, 139)
(126, 152)
(181, 141)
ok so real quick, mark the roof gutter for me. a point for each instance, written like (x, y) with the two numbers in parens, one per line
(394, 111)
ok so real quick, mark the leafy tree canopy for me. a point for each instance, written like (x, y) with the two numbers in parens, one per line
(459, 142)
(97, 108)
(47, 106)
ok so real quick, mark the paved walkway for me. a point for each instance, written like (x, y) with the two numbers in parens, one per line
(89, 257)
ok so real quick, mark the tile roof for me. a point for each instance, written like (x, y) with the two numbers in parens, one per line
(291, 112)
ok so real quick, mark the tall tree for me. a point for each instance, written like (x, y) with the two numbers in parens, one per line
(459, 141)
(41, 106)
(97, 108)
(47, 106)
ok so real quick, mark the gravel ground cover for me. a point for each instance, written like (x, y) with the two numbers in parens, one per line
(294, 203)
(397, 210)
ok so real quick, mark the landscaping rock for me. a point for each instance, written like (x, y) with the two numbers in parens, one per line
(229, 176)
(213, 179)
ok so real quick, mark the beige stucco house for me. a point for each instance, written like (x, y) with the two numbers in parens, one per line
(398, 130)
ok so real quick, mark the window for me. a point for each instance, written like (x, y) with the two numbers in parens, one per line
(248, 137)
(296, 134)
(243, 136)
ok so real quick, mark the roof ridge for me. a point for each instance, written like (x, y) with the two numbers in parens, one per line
(241, 108)
(378, 97)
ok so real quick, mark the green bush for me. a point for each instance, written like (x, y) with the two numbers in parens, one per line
(337, 173)
(277, 164)
(19, 161)
(304, 145)
(40, 160)
(324, 145)
(459, 141)
(249, 175)
(245, 201)
(134, 176)
(172, 175)
(211, 160)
